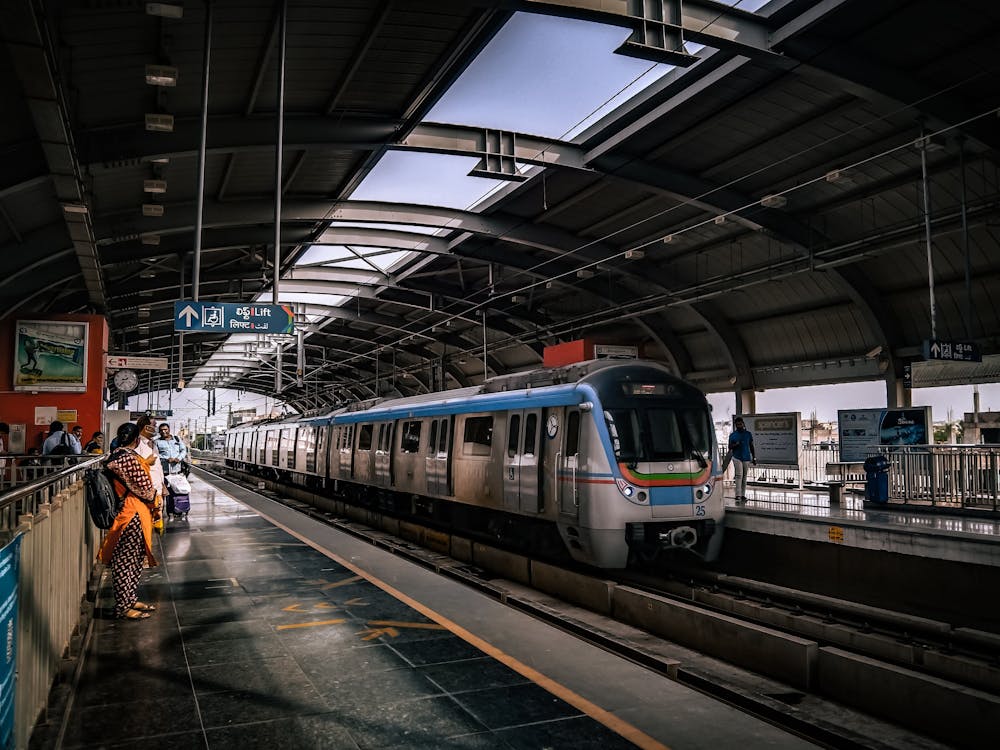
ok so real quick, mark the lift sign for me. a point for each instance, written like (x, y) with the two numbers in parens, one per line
(228, 317)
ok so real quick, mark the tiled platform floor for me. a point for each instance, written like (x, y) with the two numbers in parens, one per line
(261, 641)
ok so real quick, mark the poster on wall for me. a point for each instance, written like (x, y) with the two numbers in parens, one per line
(50, 355)
(775, 437)
(9, 561)
(860, 429)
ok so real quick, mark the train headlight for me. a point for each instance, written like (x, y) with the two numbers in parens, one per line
(629, 492)
(703, 492)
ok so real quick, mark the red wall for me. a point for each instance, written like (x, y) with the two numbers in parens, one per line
(19, 407)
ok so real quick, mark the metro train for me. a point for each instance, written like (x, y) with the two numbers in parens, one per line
(611, 461)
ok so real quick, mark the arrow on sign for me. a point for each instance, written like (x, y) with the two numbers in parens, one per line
(188, 312)
(935, 349)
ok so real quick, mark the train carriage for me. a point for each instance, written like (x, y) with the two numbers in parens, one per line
(604, 459)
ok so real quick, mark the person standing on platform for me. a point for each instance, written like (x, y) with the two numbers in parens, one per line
(146, 449)
(96, 444)
(130, 538)
(76, 438)
(744, 453)
(59, 442)
(172, 454)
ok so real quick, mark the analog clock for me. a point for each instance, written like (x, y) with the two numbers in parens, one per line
(126, 380)
(552, 425)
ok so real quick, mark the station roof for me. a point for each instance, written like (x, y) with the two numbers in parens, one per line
(756, 217)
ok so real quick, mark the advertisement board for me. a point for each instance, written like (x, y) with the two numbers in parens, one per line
(50, 356)
(859, 429)
(9, 560)
(775, 437)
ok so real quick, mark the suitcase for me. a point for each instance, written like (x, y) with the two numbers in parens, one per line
(182, 504)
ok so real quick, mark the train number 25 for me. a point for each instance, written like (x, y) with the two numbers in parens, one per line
(699, 510)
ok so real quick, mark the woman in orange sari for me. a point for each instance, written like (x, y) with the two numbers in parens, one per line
(131, 535)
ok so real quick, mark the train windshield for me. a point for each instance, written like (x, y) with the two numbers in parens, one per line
(659, 434)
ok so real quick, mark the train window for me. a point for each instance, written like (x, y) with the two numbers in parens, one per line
(573, 433)
(432, 442)
(443, 444)
(385, 437)
(699, 429)
(478, 436)
(530, 434)
(365, 437)
(624, 431)
(409, 442)
(512, 435)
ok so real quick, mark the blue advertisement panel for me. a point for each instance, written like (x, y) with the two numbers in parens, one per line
(9, 560)
(861, 429)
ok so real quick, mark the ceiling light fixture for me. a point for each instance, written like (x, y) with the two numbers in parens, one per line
(164, 10)
(774, 201)
(152, 209)
(154, 186)
(75, 208)
(720, 220)
(161, 75)
(150, 239)
(584, 273)
(634, 255)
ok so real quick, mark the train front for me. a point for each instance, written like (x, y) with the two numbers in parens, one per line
(656, 433)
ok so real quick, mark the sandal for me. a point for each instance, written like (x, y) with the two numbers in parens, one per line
(134, 614)
(144, 607)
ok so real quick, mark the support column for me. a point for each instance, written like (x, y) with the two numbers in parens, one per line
(746, 401)
(897, 396)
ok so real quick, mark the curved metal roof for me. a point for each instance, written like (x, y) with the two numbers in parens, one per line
(754, 218)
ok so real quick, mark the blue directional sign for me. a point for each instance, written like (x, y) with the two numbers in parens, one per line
(952, 351)
(229, 317)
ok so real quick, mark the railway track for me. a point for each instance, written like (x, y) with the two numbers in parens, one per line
(706, 629)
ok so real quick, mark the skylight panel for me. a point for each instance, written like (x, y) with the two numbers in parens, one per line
(424, 179)
(545, 75)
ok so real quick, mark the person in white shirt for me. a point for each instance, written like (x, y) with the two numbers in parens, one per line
(147, 451)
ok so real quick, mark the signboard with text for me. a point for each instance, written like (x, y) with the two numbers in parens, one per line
(9, 563)
(129, 362)
(952, 351)
(859, 429)
(229, 317)
(775, 437)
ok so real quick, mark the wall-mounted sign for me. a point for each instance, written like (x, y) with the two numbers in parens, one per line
(45, 415)
(50, 355)
(66, 415)
(129, 362)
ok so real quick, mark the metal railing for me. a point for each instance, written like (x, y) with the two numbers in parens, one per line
(57, 557)
(966, 476)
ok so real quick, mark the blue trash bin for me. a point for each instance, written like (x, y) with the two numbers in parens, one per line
(877, 479)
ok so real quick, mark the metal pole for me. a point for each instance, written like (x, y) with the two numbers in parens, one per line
(277, 370)
(300, 370)
(927, 235)
(485, 370)
(201, 150)
(280, 139)
(965, 246)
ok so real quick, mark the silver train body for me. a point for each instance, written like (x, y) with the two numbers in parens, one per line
(618, 457)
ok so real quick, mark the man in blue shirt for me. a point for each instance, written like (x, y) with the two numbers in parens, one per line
(172, 451)
(741, 446)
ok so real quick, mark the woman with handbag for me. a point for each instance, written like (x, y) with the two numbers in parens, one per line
(130, 538)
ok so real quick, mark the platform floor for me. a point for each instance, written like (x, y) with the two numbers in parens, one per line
(809, 514)
(262, 641)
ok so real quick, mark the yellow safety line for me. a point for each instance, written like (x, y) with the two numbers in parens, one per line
(618, 726)
(310, 624)
(395, 624)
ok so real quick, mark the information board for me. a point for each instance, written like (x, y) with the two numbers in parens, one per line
(9, 562)
(775, 437)
(860, 429)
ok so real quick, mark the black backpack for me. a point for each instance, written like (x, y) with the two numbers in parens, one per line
(64, 448)
(102, 500)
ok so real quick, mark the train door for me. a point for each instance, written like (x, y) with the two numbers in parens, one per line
(436, 460)
(383, 454)
(567, 461)
(521, 462)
